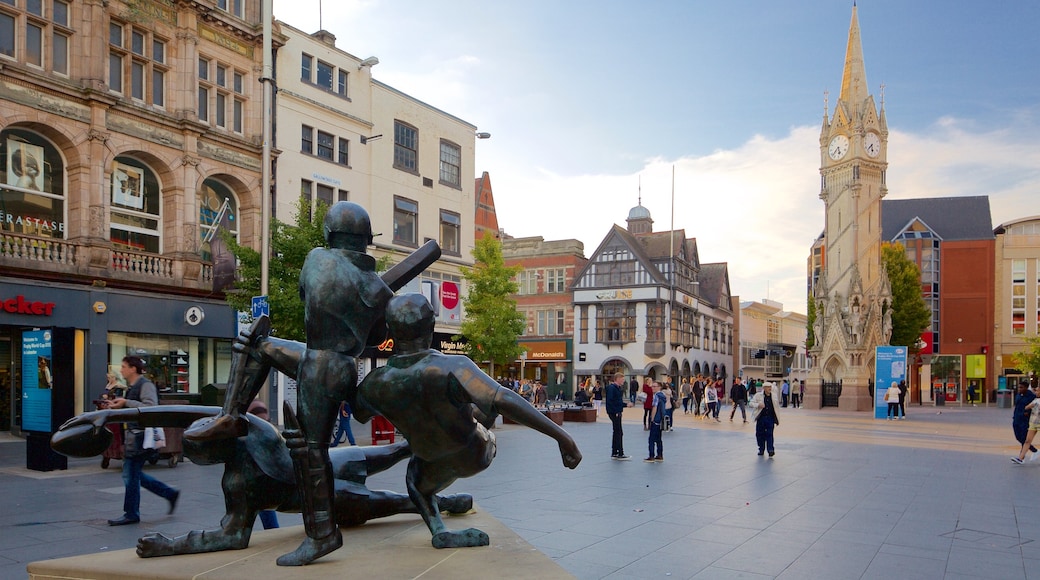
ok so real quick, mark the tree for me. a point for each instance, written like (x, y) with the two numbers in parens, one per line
(810, 333)
(1028, 360)
(910, 313)
(290, 245)
(493, 324)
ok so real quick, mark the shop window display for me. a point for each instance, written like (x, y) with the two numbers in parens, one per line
(32, 193)
(175, 364)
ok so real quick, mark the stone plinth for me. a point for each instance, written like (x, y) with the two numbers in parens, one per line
(394, 547)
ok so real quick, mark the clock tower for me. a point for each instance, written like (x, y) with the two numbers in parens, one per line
(852, 296)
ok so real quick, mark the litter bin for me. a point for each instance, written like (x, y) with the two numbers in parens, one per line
(1005, 399)
(939, 395)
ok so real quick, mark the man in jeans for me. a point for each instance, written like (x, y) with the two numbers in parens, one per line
(615, 405)
(655, 444)
(142, 393)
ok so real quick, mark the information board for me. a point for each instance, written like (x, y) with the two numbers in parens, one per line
(37, 380)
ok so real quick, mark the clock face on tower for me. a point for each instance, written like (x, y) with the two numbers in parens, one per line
(839, 147)
(872, 144)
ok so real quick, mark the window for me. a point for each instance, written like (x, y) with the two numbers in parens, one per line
(232, 6)
(583, 328)
(307, 140)
(549, 322)
(1018, 297)
(451, 225)
(221, 88)
(451, 172)
(7, 35)
(344, 152)
(44, 39)
(616, 323)
(306, 64)
(325, 194)
(341, 84)
(33, 201)
(655, 322)
(527, 282)
(555, 279)
(406, 221)
(135, 209)
(306, 191)
(406, 147)
(136, 64)
(325, 75)
(326, 145)
(210, 197)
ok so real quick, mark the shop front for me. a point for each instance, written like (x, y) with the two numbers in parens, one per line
(548, 362)
(75, 334)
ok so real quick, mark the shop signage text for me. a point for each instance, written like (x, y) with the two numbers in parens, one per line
(33, 222)
(614, 295)
(19, 305)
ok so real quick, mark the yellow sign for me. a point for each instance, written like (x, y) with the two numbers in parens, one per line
(975, 366)
(555, 350)
(225, 41)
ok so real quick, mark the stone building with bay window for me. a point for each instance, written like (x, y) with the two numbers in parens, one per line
(124, 127)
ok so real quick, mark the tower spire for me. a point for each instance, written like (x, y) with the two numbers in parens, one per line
(854, 78)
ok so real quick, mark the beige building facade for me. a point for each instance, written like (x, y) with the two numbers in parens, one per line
(1017, 308)
(343, 135)
(772, 342)
(123, 128)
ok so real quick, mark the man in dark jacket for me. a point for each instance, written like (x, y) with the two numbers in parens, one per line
(738, 394)
(1020, 417)
(615, 405)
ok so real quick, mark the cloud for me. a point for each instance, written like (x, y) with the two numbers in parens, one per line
(757, 207)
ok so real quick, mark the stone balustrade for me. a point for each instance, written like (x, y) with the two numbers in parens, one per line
(72, 259)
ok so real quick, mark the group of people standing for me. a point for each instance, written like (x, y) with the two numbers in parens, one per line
(660, 402)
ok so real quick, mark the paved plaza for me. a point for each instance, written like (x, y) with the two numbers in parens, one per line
(846, 496)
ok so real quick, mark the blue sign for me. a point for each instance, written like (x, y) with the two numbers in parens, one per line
(889, 367)
(37, 380)
(261, 306)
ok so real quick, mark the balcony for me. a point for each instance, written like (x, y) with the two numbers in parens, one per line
(68, 261)
(654, 348)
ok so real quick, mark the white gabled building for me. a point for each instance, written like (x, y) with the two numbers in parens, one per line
(644, 305)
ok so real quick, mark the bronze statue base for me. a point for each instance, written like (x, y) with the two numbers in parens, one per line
(393, 547)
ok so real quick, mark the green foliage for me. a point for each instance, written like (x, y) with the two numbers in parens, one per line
(810, 334)
(290, 245)
(1029, 360)
(910, 313)
(493, 324)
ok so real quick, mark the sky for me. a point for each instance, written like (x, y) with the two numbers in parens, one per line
(592, 103)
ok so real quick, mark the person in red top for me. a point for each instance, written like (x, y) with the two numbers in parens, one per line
(648, 403)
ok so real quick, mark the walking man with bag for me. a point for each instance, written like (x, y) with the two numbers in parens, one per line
(142, 393)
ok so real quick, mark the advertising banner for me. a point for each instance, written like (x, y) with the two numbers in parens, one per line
(889, 367)
(37, 380)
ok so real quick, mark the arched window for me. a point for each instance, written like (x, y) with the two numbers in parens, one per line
(32, 199)
(136, 219)
(210, 197)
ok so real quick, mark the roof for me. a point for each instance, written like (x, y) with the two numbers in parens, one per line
(663, 244)
(638, 212)
(952, 218)
(713, 279)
